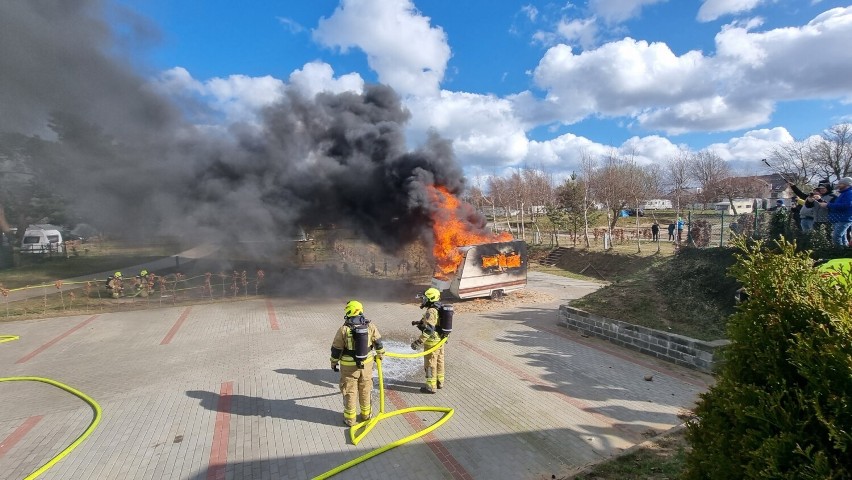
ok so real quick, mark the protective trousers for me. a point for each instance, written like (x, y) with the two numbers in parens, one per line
(433, 363)
(356, 385)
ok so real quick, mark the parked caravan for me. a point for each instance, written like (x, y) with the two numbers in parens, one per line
(42, 239)
(488, 270)
(743, 205)
(657, 204)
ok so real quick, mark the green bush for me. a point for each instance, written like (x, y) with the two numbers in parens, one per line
(781, 405)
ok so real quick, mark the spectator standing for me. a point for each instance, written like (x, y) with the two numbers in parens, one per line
(807, 213)
(671, 232)
(679, 229)
(823, 192)
(840, 212)
(655, 232)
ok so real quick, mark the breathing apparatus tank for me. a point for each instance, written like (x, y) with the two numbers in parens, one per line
(360, 339)
(445, 319)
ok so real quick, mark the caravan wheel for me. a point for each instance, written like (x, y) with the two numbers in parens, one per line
(496, 294)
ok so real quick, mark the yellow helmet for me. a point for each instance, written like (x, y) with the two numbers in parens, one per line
(117, 275)
(143, 272)
(432, 294)
(353, 308)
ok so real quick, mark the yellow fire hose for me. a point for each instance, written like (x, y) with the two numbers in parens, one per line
(73, 391)
(369, 424)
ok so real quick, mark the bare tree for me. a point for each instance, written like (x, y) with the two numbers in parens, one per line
(587, 164)
(710, 171)
(795, 160)
(833, 151)
(677, 169)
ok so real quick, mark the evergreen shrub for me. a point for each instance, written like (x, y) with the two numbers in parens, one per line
(782, 404)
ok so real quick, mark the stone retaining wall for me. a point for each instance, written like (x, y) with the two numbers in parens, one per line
(684, 351)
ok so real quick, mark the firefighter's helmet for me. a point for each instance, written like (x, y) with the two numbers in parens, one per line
(143, 273)
(432, 294)
(117, 275)
(353, 308)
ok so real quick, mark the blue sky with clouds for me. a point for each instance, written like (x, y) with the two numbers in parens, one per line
(526, 83)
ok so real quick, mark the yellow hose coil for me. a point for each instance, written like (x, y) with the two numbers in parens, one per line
(369, 424)
(8, 338)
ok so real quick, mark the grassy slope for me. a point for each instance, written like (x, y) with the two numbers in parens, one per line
(688, 293)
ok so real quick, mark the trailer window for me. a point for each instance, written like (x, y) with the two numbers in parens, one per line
(512, 260)
(30, 240)
(53, 238)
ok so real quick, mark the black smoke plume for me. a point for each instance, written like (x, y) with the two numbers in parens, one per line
(128, 160)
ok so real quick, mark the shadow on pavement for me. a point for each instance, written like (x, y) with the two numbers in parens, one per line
(288, 408)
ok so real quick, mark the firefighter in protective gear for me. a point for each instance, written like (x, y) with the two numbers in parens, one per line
(433, 363)
(114, 285)
(146, 283)
(351, 349)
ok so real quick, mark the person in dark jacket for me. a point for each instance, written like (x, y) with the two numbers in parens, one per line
(840, 212)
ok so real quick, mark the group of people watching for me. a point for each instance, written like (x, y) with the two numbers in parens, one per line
(828, 209)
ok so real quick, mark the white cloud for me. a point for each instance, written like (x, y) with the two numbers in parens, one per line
(291, 25)
(736, 88)
(484, 128)
(401, 46)
(580, 31)
(752, 146)
(616, 11)
(712, 9)
(620, 78)
(237, 98)
(318, 77)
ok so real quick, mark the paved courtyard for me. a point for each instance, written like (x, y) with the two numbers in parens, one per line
(243, 390)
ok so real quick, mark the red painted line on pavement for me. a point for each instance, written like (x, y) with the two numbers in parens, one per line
(221, 431)
(18, 434)
(176, 326)
(273, 319)
(56, 340)
(624, 356)
(446, 458)
(548, 387)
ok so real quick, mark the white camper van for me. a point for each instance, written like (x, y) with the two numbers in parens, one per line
(657, 204)
(489, 269)
(42, 239)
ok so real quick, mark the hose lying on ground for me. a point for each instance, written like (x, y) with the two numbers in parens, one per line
(368, 425)
(95, 420)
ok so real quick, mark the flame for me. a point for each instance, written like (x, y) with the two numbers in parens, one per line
(502, 261)
(450, 232)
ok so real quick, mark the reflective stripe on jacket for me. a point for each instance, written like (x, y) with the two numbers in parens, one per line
(343, 348)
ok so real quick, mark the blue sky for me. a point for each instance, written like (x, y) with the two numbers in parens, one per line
(527, 83)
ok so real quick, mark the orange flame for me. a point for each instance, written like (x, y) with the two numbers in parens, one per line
(450, 232)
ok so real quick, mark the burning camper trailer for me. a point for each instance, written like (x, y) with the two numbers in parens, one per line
(489, 269)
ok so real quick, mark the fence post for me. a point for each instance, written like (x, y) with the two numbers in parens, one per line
(722, 231)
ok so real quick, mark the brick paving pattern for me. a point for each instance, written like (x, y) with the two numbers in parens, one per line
(243, 390)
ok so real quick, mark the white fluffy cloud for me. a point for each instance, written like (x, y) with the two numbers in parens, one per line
(237, 97)
(484, 128)
(614, 11)
(752, 146)
(712, 9)
(736, 88)
(401, 46)
(318, 77)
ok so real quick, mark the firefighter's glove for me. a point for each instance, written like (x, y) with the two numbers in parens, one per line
(416, 344)
(334, 367)
(415, 322)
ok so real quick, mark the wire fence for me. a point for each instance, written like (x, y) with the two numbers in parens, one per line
(697, 230)
(153, 290)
